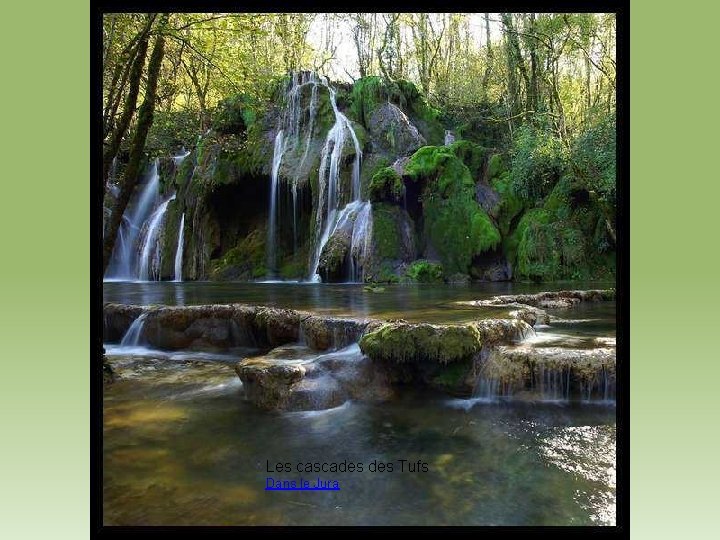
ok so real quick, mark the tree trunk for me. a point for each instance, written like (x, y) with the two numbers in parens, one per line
(145, 120)
(121, 128)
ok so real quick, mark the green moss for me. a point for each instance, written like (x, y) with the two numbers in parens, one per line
(402, 342)
(428, 161)
(457, 226)
(510, 205)
(452, 376)
(472, 155)
(245, 261)
(423, 271)
(234, 114)
(385, 235)
(386, 185)
(496, 166)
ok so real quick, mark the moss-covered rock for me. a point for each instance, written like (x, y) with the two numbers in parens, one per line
(423, 271)
(386, 186)
(393, 243)
(403, 342)
(457, 226)
(246, 261)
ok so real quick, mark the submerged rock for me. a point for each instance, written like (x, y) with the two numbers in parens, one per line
(296, 379)
(221, 327)
(548, 300)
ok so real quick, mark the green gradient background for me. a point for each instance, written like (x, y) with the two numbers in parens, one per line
(44, 285)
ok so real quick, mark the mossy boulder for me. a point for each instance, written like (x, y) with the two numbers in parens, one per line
(369, 93)
(394, 244)
(402, 342)
(455, 224)
(423, 271)
(386, 186)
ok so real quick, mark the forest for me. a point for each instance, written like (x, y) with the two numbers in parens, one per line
(360, 147)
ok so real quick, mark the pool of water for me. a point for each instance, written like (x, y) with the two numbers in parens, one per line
(429, 303)
(183, 447)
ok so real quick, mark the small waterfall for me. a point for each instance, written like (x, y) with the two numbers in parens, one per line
(177, 160)
(123, 264)
(132, 336)
(272, 219)
(150, 258)
(553, 384)
(361, 241)
(179, 251)
(449, 137)
(288, 136)
(329, 180)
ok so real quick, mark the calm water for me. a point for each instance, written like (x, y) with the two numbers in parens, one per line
(431, 303)
(182, 446)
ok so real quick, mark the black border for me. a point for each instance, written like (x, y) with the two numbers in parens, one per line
(621, 8)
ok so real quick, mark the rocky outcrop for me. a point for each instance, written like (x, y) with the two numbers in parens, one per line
(401, 341)
(392, 133)
(554, 373)
(368, 359)
(220, 327)
(547, 300)
(295, 378)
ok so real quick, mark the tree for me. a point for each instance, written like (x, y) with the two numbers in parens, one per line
(144, 121)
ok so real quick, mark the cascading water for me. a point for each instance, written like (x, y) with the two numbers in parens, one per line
(179, 250)
(177, 160)
(289, 133)
(124, 261)
(272, 219)
(150, 258)
(132, 336)
(329, 180)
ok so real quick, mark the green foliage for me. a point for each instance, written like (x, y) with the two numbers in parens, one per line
(172, 130)
(538, 162)
(234, 114)
(594, 159)
(458, 228)
(386, 185)
(424, 271)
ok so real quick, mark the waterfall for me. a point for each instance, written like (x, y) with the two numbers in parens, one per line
(177, 160)
(150, 258)
(179, 251)
(449, 137)
(361, 241)
(123, 265)
(329, 180)
(289, 135)
(272, 219)
(132, 336)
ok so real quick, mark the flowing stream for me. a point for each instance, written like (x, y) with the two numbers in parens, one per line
(182, 446)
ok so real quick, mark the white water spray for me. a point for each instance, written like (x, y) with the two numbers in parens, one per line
(179, 251)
